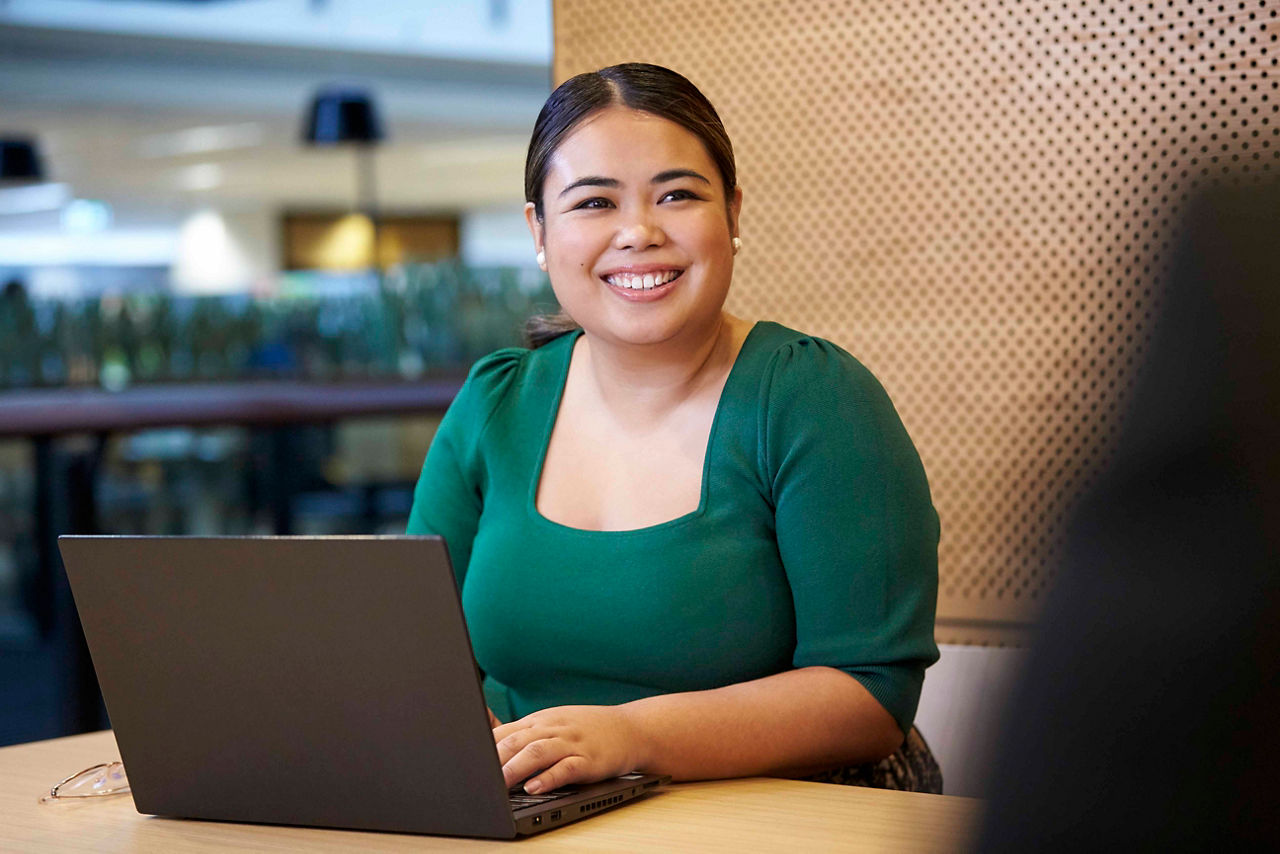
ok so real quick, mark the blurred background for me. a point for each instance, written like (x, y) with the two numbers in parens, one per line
(248, 249)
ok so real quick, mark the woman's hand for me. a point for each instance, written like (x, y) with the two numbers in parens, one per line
(494, 723)
(568, 744)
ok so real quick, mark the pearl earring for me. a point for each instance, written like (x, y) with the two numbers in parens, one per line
(737, 245)
(541, 259)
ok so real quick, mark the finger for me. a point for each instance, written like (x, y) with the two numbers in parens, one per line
(501, 732)
(534, 757)
(571, 769)
(494, 723)
(516, 741)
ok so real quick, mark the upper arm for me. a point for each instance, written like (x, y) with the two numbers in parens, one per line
(856, 529)
(449, 496)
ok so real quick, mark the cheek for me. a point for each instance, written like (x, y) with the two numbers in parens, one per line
(713, 243)
(572, 249)
(570, 260)
(710, 230)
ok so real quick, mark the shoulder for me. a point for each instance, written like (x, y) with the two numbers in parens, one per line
(510, 373)
(491, 377)
(793, 364)
(498, 366)
(816, 401)
(824, 417)
(488, 384)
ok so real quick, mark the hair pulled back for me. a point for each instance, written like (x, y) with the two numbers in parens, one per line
(637, 86)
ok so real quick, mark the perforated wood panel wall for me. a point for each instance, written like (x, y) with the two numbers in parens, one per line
(976, 200)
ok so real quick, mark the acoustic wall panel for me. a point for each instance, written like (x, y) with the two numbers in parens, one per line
(977, 200)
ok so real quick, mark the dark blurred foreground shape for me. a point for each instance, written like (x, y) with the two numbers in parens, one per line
(1149, 717)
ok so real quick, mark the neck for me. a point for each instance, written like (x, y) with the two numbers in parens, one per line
(659, 376)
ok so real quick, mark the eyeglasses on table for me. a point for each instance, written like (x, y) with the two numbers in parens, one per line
(107, 778)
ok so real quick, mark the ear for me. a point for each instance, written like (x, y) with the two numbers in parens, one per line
(735, 209)
(537, 230)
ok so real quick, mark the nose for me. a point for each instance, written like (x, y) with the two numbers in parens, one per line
(638, 232)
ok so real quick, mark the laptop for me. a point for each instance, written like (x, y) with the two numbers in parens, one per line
(317, 681)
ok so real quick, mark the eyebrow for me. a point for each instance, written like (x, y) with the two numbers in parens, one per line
(613, 183)
(592, 181)
(673, 174)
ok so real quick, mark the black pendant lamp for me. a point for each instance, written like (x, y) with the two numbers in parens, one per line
(345, 116)
(20, 161)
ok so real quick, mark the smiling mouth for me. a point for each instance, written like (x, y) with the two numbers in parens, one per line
(645, 282)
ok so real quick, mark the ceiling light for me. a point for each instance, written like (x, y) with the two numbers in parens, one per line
(201, 176)
(86, 216)
(201, 140)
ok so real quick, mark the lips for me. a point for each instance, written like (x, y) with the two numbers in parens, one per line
(646, 280)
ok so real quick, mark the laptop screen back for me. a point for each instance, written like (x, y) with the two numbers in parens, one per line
(323, 681)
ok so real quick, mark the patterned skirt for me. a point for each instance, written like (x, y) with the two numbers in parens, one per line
(910, 768)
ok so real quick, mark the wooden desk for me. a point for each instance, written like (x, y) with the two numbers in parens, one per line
(733, 815)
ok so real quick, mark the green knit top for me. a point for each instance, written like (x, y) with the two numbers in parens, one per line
(814, 543)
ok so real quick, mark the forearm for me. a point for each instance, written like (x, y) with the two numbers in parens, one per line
(789, 724)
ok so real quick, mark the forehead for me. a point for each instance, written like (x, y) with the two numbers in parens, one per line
(618, 142)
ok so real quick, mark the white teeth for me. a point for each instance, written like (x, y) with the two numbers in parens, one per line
(647, 281)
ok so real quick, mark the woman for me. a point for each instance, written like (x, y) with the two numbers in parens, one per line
(686, 543)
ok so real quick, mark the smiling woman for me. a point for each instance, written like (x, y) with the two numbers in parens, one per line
(686, 543)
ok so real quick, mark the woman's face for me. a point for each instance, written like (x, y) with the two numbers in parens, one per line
(635, 231)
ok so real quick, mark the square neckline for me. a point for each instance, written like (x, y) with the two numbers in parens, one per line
(545, 444)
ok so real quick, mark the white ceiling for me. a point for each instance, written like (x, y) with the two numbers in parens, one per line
(158, 111)
(496, 31)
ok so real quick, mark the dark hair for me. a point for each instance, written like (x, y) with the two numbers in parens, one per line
(638, 86)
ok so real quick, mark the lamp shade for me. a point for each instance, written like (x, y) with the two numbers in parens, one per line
(19, 161)
(343, 115)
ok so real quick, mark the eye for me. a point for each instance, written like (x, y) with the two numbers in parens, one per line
(679, 196)
(593, 203)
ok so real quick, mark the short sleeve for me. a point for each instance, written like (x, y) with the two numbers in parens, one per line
(856, 529)
(449, 496)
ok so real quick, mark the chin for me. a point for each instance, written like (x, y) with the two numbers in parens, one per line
(639, 337)
(652, 331)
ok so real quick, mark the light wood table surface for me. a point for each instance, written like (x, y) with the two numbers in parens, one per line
(733, 815)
